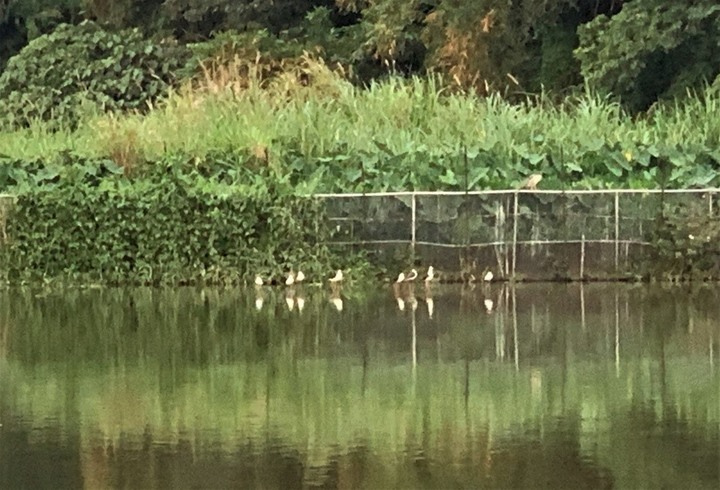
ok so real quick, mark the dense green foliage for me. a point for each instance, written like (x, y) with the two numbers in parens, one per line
(686, 242)
(54, 75)
(637, 48)
(332, 136)
(652, 49)
(172, 222)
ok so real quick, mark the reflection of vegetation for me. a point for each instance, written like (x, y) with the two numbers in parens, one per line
(203, 369)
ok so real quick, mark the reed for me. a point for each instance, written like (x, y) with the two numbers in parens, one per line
(313, 112)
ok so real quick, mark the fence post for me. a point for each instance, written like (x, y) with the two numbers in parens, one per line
(710, 203)
(582, 257)
(414, 227)
(617, 229)
(515, 231)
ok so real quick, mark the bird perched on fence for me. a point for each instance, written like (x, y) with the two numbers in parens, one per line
(299, 277)
(532, 182)
(337, 278)
(258, 280)
(488, 276)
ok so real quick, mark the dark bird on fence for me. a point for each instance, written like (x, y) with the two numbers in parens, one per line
(532, 182)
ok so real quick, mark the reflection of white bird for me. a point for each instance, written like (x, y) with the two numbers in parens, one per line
(489, 305)
(290, 302)
(300, 303)
(337, 303)
(430, 306)
(413, 303)
(299, 277)
(400, 303)
(258, 280)
(488, 276)
(338, 277)
(532, 182)
(259, 303)
(290, 279)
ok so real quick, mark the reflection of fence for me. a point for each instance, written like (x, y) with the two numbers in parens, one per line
(516, 232)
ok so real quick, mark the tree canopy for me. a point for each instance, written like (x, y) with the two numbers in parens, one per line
(641, 51)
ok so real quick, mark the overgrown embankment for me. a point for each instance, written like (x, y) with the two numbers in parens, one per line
(132, 100)
(172, 222)
(203, 176)
(402, 134)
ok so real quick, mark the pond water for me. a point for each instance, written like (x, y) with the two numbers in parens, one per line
(557, 386)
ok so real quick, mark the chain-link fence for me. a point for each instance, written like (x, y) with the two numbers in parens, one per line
(6, 203)
(516, 233)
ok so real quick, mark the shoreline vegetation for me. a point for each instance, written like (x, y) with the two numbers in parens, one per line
(396, 134)
(209, 183)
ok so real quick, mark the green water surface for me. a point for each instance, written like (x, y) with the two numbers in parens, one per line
(541, 386)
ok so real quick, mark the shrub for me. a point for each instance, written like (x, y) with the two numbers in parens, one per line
(686, 243)
(174, 222)
(55, 75)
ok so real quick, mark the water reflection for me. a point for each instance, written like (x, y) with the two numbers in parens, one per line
(560, 386)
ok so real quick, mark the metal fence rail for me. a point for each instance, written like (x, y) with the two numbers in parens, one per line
(527, 232)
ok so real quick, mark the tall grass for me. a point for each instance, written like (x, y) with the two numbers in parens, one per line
(238, 110)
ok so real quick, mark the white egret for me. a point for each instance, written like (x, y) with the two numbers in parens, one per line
(338, 277)
(290, 279)
(299, 277)
(412, 276)
(258, 280)
(488, 276)
(430, 274)
(400, 278)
